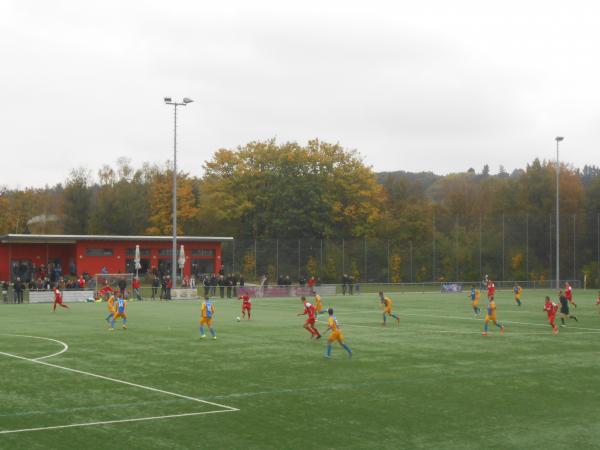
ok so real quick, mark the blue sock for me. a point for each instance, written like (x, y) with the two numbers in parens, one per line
(202, 330)
(112, 323)
(328, 349)
(212, 331)
(485, 327)
(124, 321)
(498, 325)
(108, 317)
(347, 348)
(384, 318)
(395, 316)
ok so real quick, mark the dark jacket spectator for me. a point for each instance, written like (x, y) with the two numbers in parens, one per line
(18, 288)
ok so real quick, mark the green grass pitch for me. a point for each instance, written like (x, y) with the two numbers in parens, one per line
(431, 382)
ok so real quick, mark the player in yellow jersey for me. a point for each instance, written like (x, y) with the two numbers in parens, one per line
(336, 335)
(518, 290)
(120, 312)
(386, 304)
(208, 313)
(111, 307)
(319, 304)
(474, 295)
(491, 316)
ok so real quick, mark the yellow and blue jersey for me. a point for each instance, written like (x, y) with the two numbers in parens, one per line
(491, 310)
(336, 332)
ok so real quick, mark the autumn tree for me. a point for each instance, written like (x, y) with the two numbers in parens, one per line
(268, 190)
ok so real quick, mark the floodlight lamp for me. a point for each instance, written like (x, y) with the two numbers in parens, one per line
(167, 99)
(187, 100)
(558, 138)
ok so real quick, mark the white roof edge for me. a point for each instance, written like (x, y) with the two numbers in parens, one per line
(73, 237)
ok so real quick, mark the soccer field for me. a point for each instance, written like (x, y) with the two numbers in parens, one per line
(431, 382)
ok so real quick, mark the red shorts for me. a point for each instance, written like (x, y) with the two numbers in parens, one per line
(552, 318)
(310, 321)
(246, 307)
(58, 301)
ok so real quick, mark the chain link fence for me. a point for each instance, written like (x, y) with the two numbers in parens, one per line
(507, 247)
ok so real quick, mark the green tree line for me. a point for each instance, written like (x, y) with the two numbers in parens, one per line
(458, 226)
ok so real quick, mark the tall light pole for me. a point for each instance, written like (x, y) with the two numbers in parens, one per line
(558, 139)
(184, 102)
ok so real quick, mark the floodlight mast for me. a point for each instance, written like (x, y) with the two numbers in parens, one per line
(169, 101)
(557, 139)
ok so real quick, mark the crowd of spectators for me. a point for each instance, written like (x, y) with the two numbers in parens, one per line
(227, 285)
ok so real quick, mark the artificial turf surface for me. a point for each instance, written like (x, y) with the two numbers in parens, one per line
(431, 382)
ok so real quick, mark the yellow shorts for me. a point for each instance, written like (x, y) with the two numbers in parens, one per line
(336, 336)
(112, 310)
(121, 315)
(387, 311)
(475, 302)
(206, 321)
(490, 318)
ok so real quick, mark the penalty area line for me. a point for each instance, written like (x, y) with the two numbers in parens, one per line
(109, 422)
(141, 386)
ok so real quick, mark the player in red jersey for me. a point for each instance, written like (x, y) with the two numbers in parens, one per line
(551, 308)
(598, 302)
(58, 299)
(569, 294)
(491, 289)
(309, 324)
(246, 305)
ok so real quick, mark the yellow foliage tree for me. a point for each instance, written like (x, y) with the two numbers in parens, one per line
(161, 203)
(396, 268)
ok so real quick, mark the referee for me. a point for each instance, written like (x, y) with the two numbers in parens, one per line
(564, 309)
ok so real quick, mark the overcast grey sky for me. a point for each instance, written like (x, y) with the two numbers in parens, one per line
(432, 85)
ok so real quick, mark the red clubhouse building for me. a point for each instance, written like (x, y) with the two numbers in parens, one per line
(22, 255)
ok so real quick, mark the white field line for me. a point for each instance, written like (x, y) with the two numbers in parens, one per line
(400, 313)
(107, 422)
(414, 332)
(148, 388)
(65, 346)
(161, 391)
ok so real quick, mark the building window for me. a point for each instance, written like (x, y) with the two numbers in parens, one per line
(99, 251)
(144, 252)
(200, 267)
(165, 251)
(210, 252)
(21, 268)
(144, 262)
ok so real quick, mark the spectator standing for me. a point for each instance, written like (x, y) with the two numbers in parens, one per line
(135, 285)
(221, 284)
(169, 287)
(163, 288)
(122, 286)
(229, 286)
(213, 285)
(18, 288)
(5, 291)
(242, 281)
(206, 284)
(155, 286)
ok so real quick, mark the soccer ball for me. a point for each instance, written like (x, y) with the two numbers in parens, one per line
(238, 319)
